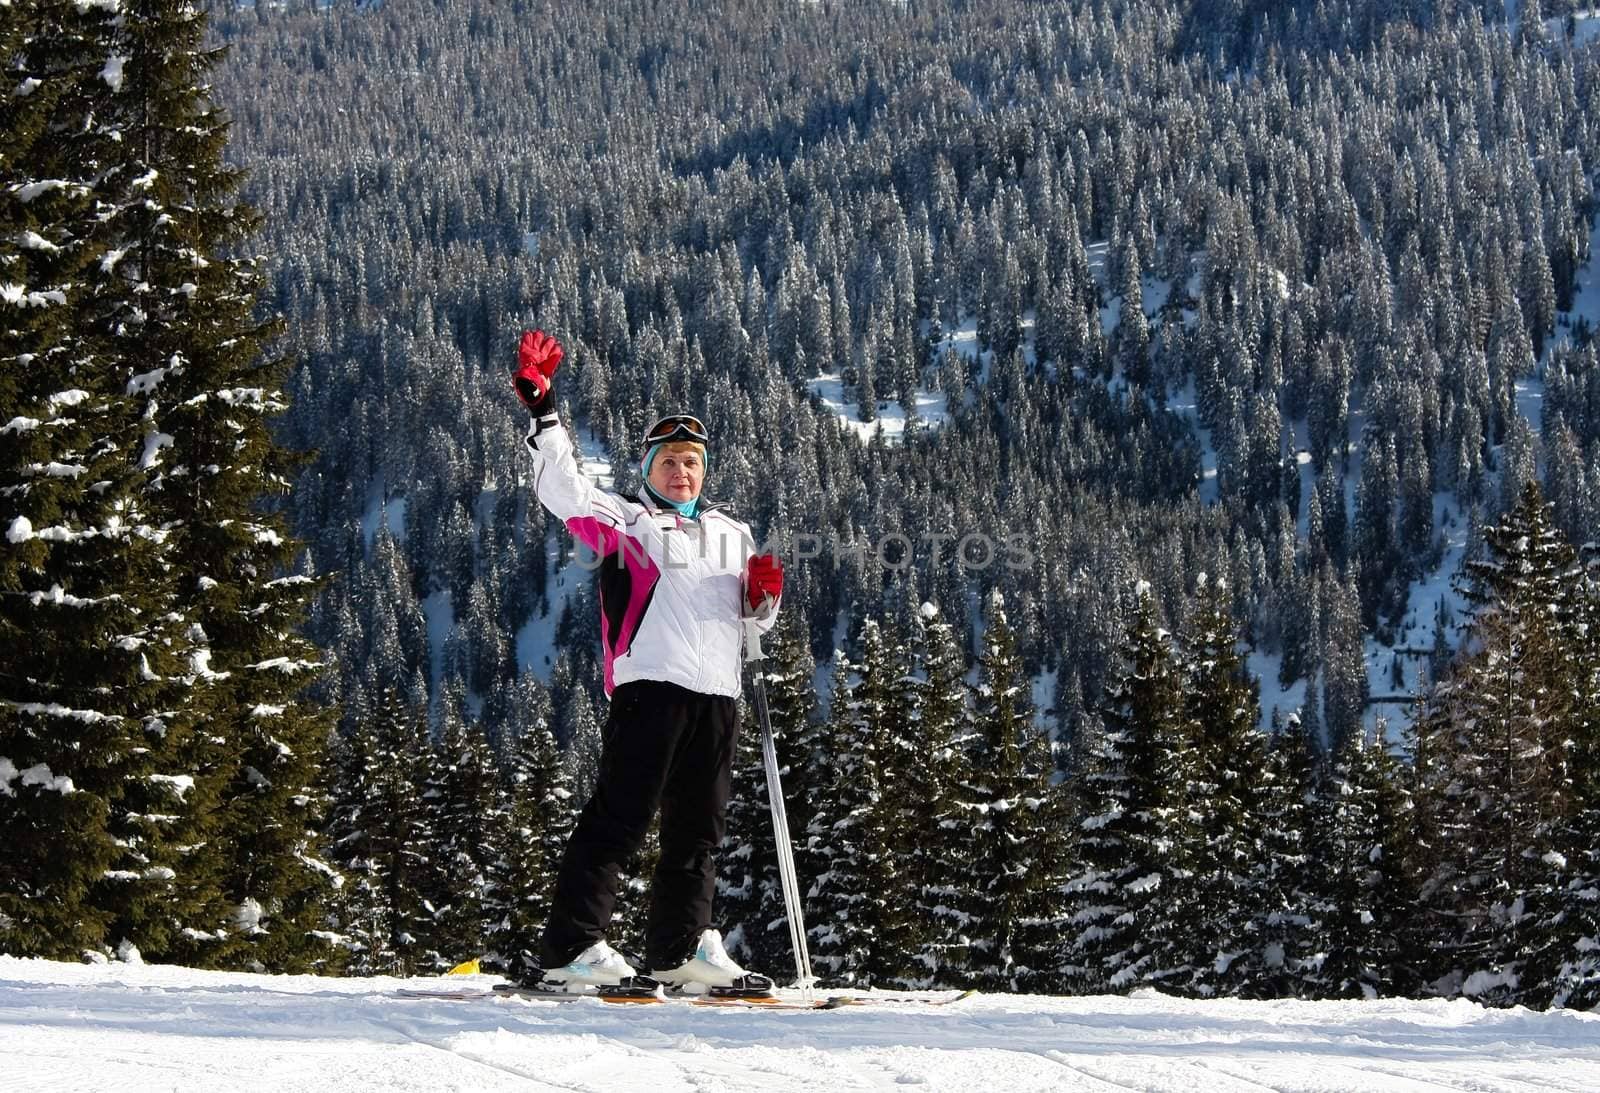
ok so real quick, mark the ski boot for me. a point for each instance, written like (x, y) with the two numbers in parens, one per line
(712, 972)
(599, 970)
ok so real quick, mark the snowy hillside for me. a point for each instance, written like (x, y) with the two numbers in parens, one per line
(132, 1028)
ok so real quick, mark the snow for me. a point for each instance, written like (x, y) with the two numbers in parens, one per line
(71, 397)
(441, 619)
(1530, 401)
(34, 241)
(134, 1027)
(387, 511)
(32, 190)
(55, 709)
(1585, 27)
(1042, 696)
(284, 665)
(1275, 697)
(891, 416)
(19, 296)
(593, 459)
(20, 531)
(180, 784)
(57, 470)
(536, 639)
(153, 444)
(37, 775)
(1185, 404)
(200, 662)
(112, 72)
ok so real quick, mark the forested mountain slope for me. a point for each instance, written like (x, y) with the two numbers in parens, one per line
(1349, 219)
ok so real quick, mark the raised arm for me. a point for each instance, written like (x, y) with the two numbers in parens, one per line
(600, 520)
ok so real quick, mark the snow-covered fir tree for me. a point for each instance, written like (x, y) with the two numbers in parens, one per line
(1283, 931)
(1497, 738)
(1214, 909)
(88, 648)
(936, 766)
(855, 909)
(467, 812)
(1013, 859)
(1566, 966)
(1558, 966)
(1362, 894)
(178, 308)
(380, 839)
(1129, 803)
(214, 805)
(541, 819)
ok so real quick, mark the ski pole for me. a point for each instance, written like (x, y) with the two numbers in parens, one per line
(780, 819)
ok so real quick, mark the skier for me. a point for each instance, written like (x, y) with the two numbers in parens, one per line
(679, 579)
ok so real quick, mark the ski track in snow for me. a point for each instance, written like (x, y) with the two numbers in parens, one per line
(137, 1028)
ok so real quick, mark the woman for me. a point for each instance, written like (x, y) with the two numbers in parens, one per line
(679, 580)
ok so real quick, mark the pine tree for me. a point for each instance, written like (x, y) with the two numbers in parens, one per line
(1362, 891)
(936, 767)
(361, 912)
(854, 910)
(199, 770)
(271, 818)
(466, 805)
(542, 815)
(380, 840)
(1013, 856)
(630, 916)
(1566, 970)
(1498, 735)
(149, 768)
(1129, 798)
(177, 310)
(1217, 908)
(86, 656)
(1283, 930)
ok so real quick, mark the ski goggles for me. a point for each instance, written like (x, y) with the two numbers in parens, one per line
(675, 427)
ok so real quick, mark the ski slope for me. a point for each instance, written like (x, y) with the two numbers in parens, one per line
(144, 1027)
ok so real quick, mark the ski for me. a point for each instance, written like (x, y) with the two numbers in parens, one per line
(831, 1002)
(508, 990)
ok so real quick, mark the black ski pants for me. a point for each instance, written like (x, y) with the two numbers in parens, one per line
(662, 746)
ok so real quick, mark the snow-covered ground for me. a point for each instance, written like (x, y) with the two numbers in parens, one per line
(132, 1028)
(1585, 27)
(891, 418)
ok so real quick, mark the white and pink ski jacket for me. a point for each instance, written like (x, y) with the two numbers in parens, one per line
(672, 600)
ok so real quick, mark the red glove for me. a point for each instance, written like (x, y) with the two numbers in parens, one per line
(763, 577)
(537, 358)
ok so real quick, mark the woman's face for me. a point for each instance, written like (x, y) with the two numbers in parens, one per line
(677, 471)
